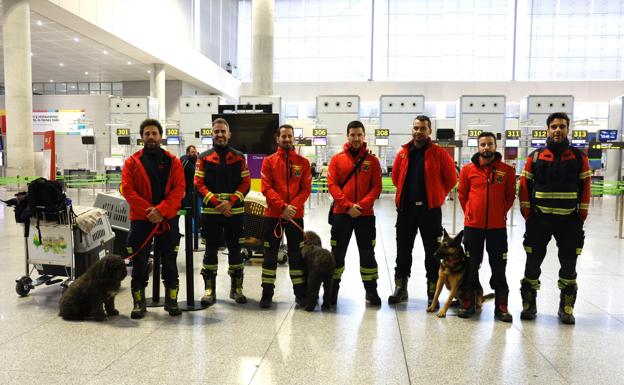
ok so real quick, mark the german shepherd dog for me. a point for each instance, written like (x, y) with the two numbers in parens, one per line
(319, 267)
(453, 264)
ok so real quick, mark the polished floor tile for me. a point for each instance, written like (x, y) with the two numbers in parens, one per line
(353, 343)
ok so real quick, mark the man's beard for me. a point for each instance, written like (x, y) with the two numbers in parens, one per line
(487, 154)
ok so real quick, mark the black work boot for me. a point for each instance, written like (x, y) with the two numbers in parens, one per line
(140, 306)
(468, 303)
(431, 288)
(236, 290)
(529, 301)
(371, 293)
(335, 289)
(400, 290)
(171, 301)
(210, 288)
(267, 296)
(566, 305)
(501, 312)
(300, 294)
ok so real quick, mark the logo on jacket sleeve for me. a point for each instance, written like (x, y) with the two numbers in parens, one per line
(297, 171)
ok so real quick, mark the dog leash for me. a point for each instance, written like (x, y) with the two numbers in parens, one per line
(160, 228)
(278, 230)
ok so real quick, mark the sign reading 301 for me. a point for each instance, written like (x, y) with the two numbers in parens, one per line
(172, 131)
(319, 132)
(206, 132)
(123, 132)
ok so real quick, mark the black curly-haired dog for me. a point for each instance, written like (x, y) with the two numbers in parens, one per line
(319, 268)
(95, 287)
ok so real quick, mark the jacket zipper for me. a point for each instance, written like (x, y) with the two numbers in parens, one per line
(487, 197)
(287, 180)
(356, 174)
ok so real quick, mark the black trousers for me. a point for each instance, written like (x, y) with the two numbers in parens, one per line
(364, 226)
(569, 235)
(272, 240)
(167, 243)
(214, 226)
(409, 221)
(495, 241)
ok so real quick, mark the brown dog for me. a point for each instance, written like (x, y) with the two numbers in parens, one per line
(453, 265)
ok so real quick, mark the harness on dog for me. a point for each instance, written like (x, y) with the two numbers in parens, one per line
(455, 265)
(160, 228)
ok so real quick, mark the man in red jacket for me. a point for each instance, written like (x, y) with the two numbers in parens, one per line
(286, 184)
(487, 189)
(353, 208)
(152, 182)
(423, 174)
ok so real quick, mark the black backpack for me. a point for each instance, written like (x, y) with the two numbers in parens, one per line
(46, 196)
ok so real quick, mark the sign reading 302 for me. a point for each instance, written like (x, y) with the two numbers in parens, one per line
(172, 131)
(206, 132)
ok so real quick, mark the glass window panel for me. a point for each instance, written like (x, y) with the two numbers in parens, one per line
(105, 86)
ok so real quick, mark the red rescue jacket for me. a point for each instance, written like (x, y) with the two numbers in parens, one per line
(136, 188)
(440, 173)
(286, 180)
(486, 193)
(362, 188)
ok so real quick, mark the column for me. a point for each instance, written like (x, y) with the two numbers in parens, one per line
(262, 15)
(18, 88)
(157, 89)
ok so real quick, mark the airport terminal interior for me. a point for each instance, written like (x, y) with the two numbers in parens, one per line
(80, 76)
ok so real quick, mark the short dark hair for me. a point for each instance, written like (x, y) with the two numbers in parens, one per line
(424, 118)
(189, 148)
(355, 124)
(286, 126)
(487, 133)
(558, 115)
(151, 122)
(221, 121)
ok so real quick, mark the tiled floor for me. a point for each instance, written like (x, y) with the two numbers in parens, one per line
(355, 344)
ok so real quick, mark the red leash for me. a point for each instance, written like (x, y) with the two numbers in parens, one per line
(278, 230)
(160, 228)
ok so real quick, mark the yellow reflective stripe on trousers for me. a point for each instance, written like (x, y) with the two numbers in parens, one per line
(199, 173)
(579, 250)
(527, 174)
(366, 270)
(209, 267)
(338, 272)
(296, 281)
(269, 272)
(534, 283)
(369, 277)
(584, 206)
(296, 273)
(528, 249)
(555, 210)
(555, 195)
(268, 280)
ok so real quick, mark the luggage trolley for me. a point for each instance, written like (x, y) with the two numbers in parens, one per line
(59, 248)
(253, 221)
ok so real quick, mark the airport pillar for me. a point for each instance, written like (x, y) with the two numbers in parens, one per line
(157, 89)
(262, 15)
(18, 88)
